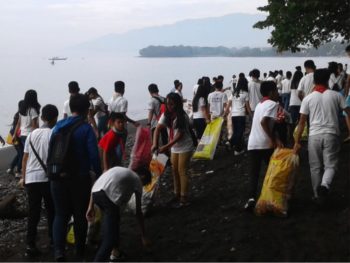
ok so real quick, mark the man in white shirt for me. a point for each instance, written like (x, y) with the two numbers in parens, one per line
(34, 177)
(306, 83)
(279, 79)
(286, 83)
(118, 103)
(254, 89)
(111, 193)
(217, 101)
(322, 107)
(262, 140)
(73, 88)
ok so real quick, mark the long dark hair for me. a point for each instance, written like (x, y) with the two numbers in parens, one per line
(30, 101)
(179, 112)
(296, 79)
(201, 93)
(242, 85)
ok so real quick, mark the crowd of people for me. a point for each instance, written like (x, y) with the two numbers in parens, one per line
(92, 136)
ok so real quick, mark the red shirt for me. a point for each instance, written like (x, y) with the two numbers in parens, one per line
(113, 143)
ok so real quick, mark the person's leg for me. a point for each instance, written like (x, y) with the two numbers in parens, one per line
(238, 132)
(63, 210)
(34, 201)
(184, 161)
(315, 145)
(175, 170)
(199, 125)
(330, 158)
(110, 226)
(46, 193)
(255, 166)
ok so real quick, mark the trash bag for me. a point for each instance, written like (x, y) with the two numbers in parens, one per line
(278, 183)
(207, 145)
(156, 167)
(141, 152)
(304, 135)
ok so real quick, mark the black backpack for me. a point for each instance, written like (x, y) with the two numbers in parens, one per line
(61, 160)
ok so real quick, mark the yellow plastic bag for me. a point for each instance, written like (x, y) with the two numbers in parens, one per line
(278, 183)
(304, 135)
(207, 145)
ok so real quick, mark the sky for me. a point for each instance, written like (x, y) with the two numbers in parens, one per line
(36, 26)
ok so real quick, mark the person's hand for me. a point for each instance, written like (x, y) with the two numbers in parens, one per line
(90, 214)
(207, 121)
(154, 148)
(14, 139)
(21, 183)
(296, 148)
(163, 149)
(278, 144)
(146, 242)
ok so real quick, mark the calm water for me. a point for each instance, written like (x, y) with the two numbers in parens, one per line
(50, 81)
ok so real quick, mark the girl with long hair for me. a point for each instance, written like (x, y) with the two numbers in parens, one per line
(200, 111)
(180, 143)
(295, 102)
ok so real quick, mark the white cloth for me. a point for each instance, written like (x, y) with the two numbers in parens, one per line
(323, 110)
(118, 103)
(306, 84)
(199, 114)
(66, 108)
(185, 144)
(294, 99)
(216, 101)
(238, 107)
(254, 93)
(258, 139)
(119, 184)
(40, 139)
(99, 107)
(26, 121)
(286, 83)
(278, 79)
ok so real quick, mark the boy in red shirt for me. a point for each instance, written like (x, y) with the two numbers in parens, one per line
(113, 142)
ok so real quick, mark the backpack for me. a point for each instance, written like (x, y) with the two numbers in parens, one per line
(162, 106)
(61, 160)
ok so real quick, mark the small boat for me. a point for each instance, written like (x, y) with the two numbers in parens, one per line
(53, 59)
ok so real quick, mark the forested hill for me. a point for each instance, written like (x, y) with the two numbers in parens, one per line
(329, 49)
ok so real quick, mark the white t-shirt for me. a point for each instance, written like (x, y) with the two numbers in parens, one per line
(254, 93)
(40, 139)
(154, 106)
(258, 139)
(335, 80)
(286, 83)
(99, 106)
(238, 104)
(294, 99)
(279, 78)
(216, 100)
(323, 110)
(119, 184)
(306, 84)
(118, 103)
(199, 114)
(26, 121)
(185, 144)
(66, 108)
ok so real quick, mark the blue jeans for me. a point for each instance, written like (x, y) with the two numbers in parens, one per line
(110, 225)
(199, 126)
(237, 139)
(70, 197)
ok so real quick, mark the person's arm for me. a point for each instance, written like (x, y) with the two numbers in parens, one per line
(150, 117)
(170, 144)
(90, 213)
(130, 120)
(249, 110)
(227, 108)
(105, 160)
(18, 125)
(24, 168)
(140, 219)
(266, 123)
(156, 136)
(301, 126)
(205, 111)
(35, 123)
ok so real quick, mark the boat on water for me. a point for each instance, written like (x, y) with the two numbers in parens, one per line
(7, 153)
(53, 59)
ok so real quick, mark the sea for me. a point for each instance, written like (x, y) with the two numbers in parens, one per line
(17, 75)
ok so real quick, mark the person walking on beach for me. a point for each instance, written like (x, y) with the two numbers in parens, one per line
(239, 104)
(118, 103)
(200, 111)
(28, 119)
(111, 193)
(306, 84)
(180, 142)
(73, 89)
(295, 102)
(322, 107)
(286, 83)
(156, 107)
(254, 90)
(113, 142)
(34, 177)
(71, 194)
(262, 140)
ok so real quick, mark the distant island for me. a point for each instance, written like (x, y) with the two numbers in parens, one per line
(328, 49)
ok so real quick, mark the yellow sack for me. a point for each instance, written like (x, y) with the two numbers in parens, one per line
(304, 135)
(278, 183)
(207, 145)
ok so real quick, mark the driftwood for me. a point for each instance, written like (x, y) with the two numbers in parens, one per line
(8, 208)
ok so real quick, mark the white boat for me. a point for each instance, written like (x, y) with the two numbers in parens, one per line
(7, 153)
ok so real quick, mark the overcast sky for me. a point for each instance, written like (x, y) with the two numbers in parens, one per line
(39, 25)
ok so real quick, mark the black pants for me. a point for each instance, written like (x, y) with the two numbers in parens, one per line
(36, 193)
(110, 226)
(238, 126)
(257, 157)
(199, 125)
